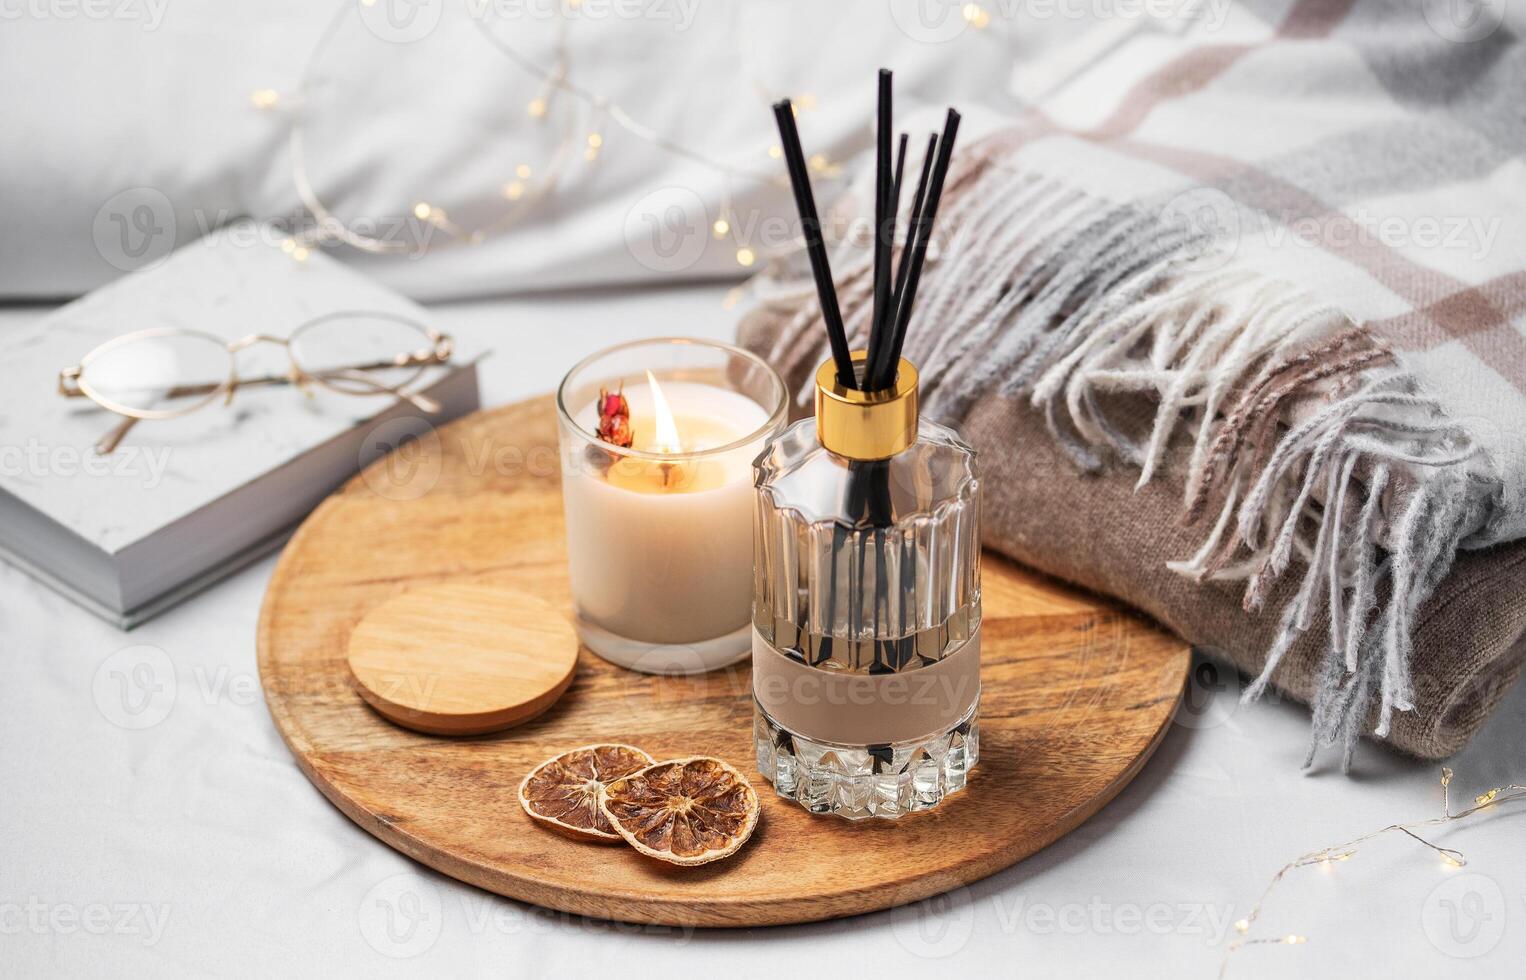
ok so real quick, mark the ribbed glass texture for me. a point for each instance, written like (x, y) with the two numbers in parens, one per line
(868, 568)
(871, 567)
(858, 782)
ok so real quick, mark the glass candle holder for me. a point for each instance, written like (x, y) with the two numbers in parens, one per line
(659, 532)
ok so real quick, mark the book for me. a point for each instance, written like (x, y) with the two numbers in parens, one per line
(184, 501)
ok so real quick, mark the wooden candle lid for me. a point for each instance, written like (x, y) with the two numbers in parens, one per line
(463, 658)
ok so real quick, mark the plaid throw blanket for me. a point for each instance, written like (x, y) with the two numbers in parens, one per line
(1280, 266)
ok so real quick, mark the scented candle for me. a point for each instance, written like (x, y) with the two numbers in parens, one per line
(658, 499)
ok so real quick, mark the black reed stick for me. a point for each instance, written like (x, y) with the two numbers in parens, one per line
(815, 245)
(881, 369)
(895, 187)
(924, 230)
(883, 231)
(879, 334)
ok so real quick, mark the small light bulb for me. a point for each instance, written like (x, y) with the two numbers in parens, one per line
(806, 101)
(514, 190)
(1451, 861)
(522, 171)
(721, 227)
(776, 151)
(288, 246)
(818, 161)
(265, 98)
(422, 211)
(595, 140)
(976, 15)
(746, 256)
(590, 154)
(1243, 925)
(537, 107)
(1292, 939)
(300, 253)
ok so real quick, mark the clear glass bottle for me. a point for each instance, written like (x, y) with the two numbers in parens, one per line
(866, 605)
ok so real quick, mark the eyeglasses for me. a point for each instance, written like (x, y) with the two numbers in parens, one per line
(166, 372)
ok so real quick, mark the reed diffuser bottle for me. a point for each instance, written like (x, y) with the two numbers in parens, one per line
(866, 609)
(866, 544)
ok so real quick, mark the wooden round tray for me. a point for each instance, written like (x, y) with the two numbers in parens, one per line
(1076, 694)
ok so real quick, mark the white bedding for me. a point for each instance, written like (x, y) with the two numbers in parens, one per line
(132, 129)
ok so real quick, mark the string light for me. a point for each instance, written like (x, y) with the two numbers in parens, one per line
(521, 191)
(976, 16)
(721, 228)
(1328, 856)
(327, 226)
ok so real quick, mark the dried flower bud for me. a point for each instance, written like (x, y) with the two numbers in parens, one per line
(614, 418)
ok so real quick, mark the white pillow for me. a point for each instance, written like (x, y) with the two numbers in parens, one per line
(129, 128)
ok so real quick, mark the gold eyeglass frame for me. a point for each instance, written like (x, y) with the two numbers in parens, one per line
(72, 382)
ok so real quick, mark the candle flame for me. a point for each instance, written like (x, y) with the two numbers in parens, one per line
(665, 438)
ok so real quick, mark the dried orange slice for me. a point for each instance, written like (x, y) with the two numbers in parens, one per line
(563, 793)
(686, 811)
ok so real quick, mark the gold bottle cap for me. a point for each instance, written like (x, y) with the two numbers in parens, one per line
(866, 424)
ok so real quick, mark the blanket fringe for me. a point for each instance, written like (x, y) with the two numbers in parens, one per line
(1300, 435)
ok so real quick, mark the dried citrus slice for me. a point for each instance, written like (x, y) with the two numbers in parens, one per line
(563, 792)
(686, 811)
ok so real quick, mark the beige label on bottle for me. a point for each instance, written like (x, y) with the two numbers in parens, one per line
(866, 709)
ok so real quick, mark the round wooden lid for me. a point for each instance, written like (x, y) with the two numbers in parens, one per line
(463, 658)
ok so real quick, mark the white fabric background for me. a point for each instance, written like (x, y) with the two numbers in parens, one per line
(102, 115)
(205, 816)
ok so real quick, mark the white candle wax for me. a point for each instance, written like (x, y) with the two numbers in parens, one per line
(662, 553)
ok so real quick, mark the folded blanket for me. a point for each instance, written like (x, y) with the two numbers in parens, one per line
(1277, 290)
